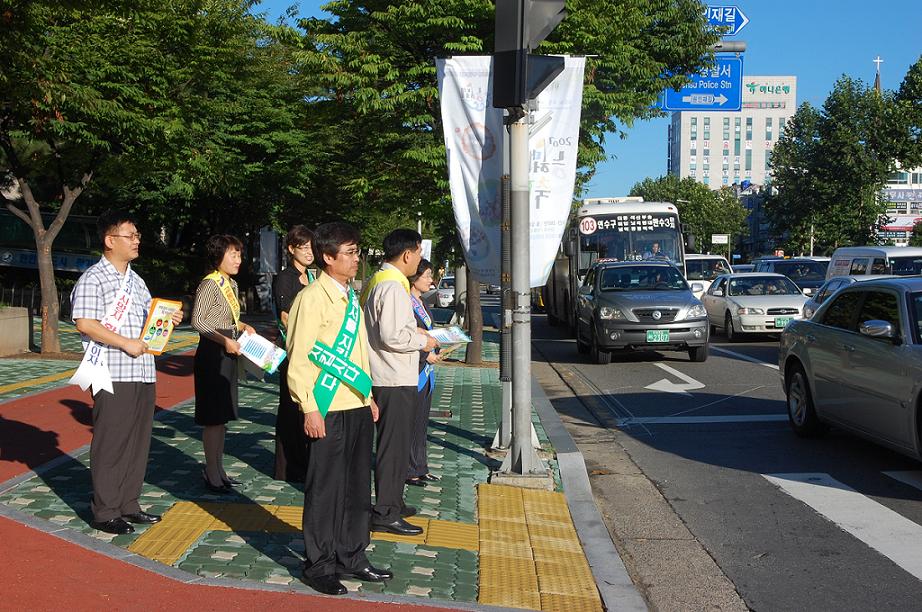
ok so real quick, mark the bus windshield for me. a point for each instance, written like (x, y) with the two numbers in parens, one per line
(633, 237)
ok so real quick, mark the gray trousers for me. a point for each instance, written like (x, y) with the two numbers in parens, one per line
(122, 424)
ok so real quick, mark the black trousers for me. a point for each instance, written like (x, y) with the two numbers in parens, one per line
(397, 406)
(419, 462)
(290, 439)
(122, 424)
(337, 494)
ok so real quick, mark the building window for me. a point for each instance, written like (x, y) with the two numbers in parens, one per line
(898, 178)
(768, 128)
(768, 161)
(748, 128)
(781, 123)
(748, 160)
(706, 180)
(917, 177)
(726, 180)
(707, 128)
(726, 128)
(707, 152)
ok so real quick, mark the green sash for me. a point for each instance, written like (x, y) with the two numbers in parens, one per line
(334, 362)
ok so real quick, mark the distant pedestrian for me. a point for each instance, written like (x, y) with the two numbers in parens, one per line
(329, 378)
(290, 440)
(395, 342)
(110, 303)
(418, 473)
(216, 317)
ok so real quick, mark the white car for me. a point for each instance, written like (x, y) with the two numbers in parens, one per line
(753, 303)
(445, 292)
(703, 269)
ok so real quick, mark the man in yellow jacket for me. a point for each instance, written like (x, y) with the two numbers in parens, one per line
(329, 379)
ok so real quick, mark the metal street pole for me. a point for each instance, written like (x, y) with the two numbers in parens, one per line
(503, 437)
(522, 458)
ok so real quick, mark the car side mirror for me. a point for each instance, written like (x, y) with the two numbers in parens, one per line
(877, 329)
(718, 292)
(585, 290)
(697, 287)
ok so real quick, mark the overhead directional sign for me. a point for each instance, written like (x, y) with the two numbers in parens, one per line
(726, 17)
(717, 88)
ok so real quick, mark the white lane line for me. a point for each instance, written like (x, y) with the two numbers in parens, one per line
(693, 420)
(744, 357)
(884, 530)
(912, 478)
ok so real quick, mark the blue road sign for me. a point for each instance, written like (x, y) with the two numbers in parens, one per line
(718, 88)
(726, 17)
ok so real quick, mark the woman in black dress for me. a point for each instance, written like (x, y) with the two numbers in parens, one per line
(418, 473)
(216, 317)
(290, 440)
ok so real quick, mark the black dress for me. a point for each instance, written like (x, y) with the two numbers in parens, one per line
(290, 439)
(214, 371)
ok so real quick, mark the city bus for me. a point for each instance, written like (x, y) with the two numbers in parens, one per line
(617, 229)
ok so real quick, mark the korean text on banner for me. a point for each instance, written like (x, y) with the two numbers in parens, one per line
(552, 171)
(473, 140)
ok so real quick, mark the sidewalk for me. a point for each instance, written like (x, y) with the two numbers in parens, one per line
(483, 544)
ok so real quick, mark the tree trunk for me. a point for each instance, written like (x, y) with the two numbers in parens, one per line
(51, 341)
(474, 320)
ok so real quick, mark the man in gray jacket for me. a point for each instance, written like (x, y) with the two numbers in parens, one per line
(394, 341)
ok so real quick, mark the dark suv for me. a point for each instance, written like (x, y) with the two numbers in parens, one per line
(808, 274)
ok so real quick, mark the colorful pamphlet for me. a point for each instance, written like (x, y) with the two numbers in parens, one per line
(159, 325)
(266, 355)
(449, 335)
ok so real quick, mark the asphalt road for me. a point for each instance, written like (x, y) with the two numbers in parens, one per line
(828, 524)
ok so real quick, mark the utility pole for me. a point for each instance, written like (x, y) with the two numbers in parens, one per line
(518, 78)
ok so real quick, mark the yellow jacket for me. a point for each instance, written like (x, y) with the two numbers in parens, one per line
(317, 313)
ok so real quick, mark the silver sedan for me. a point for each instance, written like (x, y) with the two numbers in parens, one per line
(857, 364)
(753, 302)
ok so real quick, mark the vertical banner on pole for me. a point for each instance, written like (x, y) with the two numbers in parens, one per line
(473, 140)
(474, 136)
(552, 169)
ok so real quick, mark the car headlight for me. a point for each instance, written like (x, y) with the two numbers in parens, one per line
(696, 312)
(607, 312)
(750, 311)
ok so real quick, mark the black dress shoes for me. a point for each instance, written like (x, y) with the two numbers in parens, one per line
(117, 526)
(221, 489)
(370, 574)
(399, 527)
(328, 585)
(230, 481)
(141, 518)
(407, 511)
(430, 477)
(416, 482)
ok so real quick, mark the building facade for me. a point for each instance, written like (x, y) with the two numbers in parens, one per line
(903, 195)
(722, 149)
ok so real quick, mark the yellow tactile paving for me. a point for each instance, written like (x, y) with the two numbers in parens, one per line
(33, 382)
(186, 522)
(530, 555)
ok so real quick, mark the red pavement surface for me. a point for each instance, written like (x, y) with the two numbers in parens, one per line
(39, 571)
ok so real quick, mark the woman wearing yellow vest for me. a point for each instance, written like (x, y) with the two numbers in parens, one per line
(216, 317)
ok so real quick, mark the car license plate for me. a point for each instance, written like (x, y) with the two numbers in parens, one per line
(780, 322)
(657, 335)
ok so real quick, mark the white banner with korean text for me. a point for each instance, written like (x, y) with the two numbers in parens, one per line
(474, 136)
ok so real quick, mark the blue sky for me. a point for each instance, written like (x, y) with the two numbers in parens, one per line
(815, 40)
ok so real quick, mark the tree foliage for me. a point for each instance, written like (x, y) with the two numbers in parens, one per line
(702, 211)
(831, 164)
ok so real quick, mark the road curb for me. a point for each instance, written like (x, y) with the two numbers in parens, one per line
(615, 586)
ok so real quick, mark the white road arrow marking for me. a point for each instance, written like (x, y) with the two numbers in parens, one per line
(667, 386)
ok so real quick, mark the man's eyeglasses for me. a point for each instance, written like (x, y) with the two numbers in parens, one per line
(132, 237)
(350, 253)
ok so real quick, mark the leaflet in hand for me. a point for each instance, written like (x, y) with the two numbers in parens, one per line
(260, 351)
(449, 335)
(159, 324)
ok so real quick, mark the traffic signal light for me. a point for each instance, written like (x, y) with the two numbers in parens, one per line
(521, 25)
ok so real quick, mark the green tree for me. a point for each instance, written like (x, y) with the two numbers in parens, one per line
(916, 238)
(702, 211)
(909, 98)
(831, 164)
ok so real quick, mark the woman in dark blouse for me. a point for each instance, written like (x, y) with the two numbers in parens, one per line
(418, 473)
(290, 440)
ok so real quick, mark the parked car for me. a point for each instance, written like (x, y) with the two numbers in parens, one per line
(752, 302)
(833, 285)
(858, 364)
(703, 269)
(445, 292)
(744, 267)
(632, 306)
(859, 261)
(807, 273)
